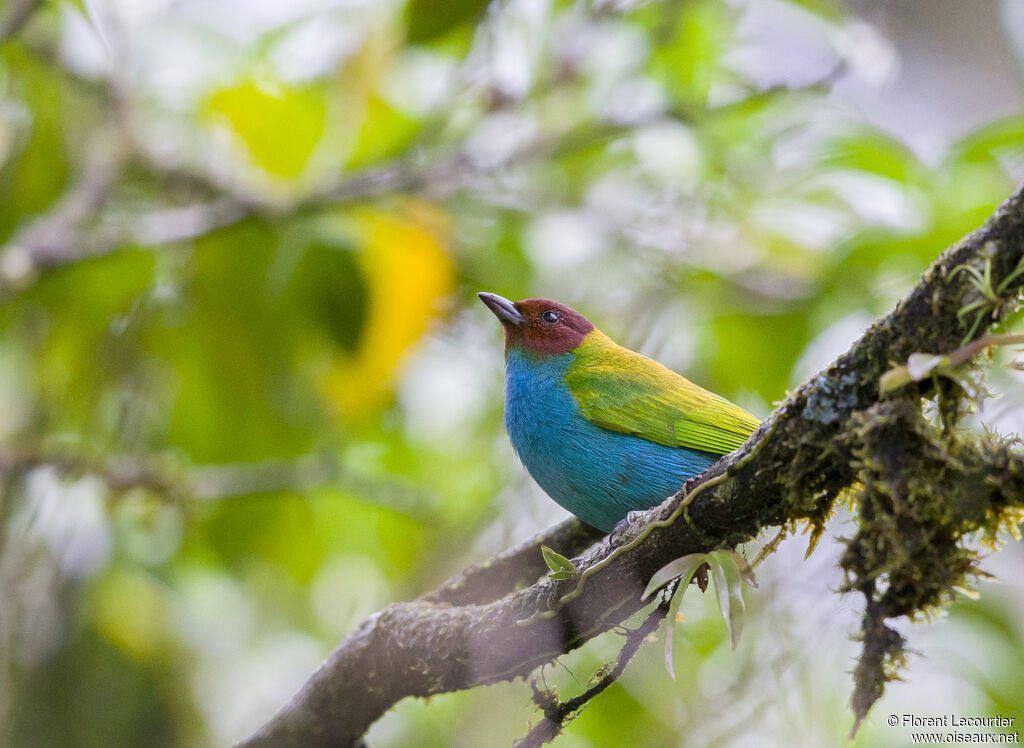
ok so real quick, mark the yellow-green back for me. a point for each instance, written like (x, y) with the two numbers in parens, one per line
(621, 390)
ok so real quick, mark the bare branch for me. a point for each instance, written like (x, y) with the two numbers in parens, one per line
(174, 480)
(556, 712)
(56, 238)
(177, 224)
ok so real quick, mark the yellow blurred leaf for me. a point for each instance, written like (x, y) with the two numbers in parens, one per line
(408, 273)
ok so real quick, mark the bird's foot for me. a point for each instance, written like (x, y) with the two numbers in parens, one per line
(631, 518)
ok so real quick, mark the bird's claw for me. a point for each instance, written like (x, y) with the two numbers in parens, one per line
(630, 519)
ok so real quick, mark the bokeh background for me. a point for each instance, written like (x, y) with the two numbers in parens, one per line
(248, 396)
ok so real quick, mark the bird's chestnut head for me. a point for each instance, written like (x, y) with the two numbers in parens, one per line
(538, 325)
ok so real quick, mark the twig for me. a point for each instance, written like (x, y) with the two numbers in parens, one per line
(921, 365)
(177, 224)
(557, 712)
(176, 481)
(118, 474)
(55, 238)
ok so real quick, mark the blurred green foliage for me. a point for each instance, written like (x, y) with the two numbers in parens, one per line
(247, 398)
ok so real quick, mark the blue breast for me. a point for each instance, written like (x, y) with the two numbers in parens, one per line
(597, 474)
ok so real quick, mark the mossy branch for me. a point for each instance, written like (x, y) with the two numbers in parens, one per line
(828, 436)
(924, 490)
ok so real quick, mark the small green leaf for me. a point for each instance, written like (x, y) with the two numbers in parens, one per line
(745, 569)
(561, 567)
(429, 20)
(688, 58)
(730, 571)
(673, 611)
(893, 379)
(683, 565)
(995, 140)
(920, 365)
(729, 590)
(878, 154)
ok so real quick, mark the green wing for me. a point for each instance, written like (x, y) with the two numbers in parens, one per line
(623, 391)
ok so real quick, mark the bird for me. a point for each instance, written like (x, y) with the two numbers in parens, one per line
(603, 430)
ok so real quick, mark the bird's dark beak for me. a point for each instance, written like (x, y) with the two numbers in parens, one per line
(503, 309)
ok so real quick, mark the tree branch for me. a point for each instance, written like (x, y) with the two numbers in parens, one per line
(556, 712)
(791, 469)
(175, 480)
(56, 237)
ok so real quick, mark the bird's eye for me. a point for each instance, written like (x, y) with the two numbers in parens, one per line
(550, 317)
